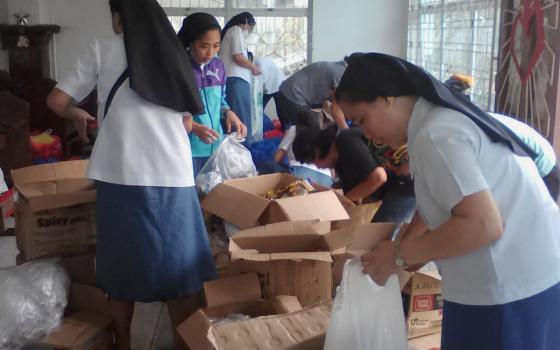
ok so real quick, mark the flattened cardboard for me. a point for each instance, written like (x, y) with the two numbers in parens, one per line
(242, 203)
(79, 331)
(55, 185)
(304, 329)
(86, 324)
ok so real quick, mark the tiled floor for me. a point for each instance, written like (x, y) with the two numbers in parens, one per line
(151, 325)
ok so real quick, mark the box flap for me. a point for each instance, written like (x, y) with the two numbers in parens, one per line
(239, 207)
(194, 331)
(288, 236)
(75, 169)
(346, 203)
(232, 290)
(367, 235)
(318, 256)
(54, 201)
(337, 239)
(285, 304)
(261, 184)
(324, 206)
(360, 214)
(77, 329)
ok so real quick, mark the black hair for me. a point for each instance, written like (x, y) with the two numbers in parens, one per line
(310, 139)
(195, 26)
(116, 6)
(241, 18)
(364, 82)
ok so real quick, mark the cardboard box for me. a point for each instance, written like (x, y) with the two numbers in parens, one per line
(55, 213)
(225, 297)
(427, 342)
(242, 203)
(425, 303)
(290, 258)
(282, 325)
(86, 327)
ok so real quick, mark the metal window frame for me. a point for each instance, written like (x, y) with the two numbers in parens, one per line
(229, 11)
(440, 8)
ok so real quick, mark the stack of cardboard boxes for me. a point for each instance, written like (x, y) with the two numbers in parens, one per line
(55, 217)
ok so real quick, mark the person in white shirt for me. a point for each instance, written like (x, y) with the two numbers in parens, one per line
(151, 239)
(233, 52)
(491, 225)
(272, 77)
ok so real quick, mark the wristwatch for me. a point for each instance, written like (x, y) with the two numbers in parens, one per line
(399, 261)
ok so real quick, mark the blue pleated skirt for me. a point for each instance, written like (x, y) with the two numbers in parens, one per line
(151, 243)
(528, 324)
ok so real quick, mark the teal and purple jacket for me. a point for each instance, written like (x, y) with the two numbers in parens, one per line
(211, 82)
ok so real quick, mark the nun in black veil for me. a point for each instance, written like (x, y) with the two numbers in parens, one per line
(151, 239)
(483, 212)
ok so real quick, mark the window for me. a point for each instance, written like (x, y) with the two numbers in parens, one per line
(283, 30)
(457, 36)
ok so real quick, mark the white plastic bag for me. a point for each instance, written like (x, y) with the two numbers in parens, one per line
(231, 161)
(257, 110)
(366, 316)
(32, 301)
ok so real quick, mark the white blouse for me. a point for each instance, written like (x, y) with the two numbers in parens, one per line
(139, 143)
(450, 158)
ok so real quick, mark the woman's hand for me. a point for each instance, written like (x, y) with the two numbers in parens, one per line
(204, 133)
(233, 122)
(379, 263)
(81, 119)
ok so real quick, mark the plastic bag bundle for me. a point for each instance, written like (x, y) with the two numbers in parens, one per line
(366, 316)
(32, 301)
(257, 110)
(231, 161)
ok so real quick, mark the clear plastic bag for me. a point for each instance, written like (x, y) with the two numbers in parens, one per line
(32, 301)
(366, 316)
(231, 161)
(257, 110)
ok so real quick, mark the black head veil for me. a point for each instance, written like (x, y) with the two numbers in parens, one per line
(158, 65)
(372, 75)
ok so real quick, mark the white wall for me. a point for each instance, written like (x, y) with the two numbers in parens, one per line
(341, 27)
(80, 21)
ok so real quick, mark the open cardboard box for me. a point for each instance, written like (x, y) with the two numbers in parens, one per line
(291, 258)
(427, 342)
(86, 324)
(242, 203)
(55, 210)
(225, 297)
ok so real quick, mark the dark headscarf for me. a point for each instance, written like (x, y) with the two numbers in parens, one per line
(158, 65)
(372, 75)
(195, 25)
(242, 18)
